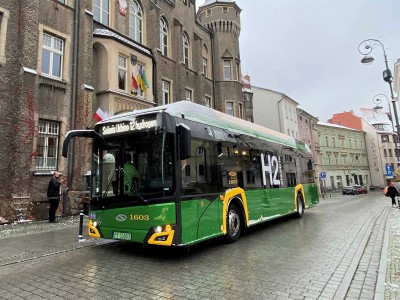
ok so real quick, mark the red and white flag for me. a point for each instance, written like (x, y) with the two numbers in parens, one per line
(99, 115)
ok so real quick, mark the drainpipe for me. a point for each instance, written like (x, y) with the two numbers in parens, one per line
(73, 100)
(213, 54)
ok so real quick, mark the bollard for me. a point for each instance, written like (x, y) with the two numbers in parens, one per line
(80, 236)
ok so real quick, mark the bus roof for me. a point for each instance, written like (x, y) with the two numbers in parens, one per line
(198, 113)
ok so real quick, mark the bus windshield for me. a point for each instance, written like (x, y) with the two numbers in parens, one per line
(135, 167)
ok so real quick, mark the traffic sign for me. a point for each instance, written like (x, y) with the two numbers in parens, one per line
(322, 175)
(389, 172)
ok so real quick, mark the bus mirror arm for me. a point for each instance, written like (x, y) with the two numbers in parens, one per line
(80, 133)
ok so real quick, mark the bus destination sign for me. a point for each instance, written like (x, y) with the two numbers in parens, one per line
(126, 127)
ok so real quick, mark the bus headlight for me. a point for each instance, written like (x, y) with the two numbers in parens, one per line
(163, 228)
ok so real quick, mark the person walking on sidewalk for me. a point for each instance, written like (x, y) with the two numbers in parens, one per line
(54, 193)
(392, 192)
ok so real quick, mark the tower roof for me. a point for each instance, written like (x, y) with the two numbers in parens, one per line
(208, 2)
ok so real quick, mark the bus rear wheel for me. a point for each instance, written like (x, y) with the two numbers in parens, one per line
(233, 224)
(300, 206)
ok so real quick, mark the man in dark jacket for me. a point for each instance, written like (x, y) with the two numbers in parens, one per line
(54, 193)
(392, 192)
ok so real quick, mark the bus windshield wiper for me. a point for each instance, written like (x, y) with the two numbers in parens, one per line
(135, 190)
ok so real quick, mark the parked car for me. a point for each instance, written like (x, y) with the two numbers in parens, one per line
(349, 190)
(361, 189)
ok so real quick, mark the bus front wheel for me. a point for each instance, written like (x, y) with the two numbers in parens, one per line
(233, 224)
(300, 206)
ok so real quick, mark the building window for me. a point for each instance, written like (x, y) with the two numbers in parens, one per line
(4, 15)
(122, 72)
(47, 147)
(385, 138)
(62, 1)
(208, 13)
(166, 91)
(207, 101)
(240, 111)
(205, 61)
(229, 108)
(163, 37)
(384, 153)
(188, 94)
(52, 56)
(225, 10)
(101, 11)
(185, 44)
(135, 21)
(227, 70)
(204, 66)
(390, 153)
(238, 71)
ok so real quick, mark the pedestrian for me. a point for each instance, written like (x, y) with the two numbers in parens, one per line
(392, 192)
(53, 194)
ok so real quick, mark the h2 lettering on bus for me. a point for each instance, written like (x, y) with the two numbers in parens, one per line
(272, 168)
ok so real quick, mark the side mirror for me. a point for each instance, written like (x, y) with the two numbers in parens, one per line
(185, 139)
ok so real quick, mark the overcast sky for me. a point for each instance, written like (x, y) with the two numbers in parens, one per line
(308, 50)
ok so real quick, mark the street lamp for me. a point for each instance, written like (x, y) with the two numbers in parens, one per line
(377, 100)
(365, 48)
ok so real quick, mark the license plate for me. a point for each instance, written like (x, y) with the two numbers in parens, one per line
(122, 236)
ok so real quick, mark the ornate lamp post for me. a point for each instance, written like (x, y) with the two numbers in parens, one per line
(377, 100)
(365, 48)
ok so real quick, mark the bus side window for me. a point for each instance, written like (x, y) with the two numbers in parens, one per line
(195, 170)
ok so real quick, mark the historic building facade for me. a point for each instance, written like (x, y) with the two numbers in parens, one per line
(309, 136)
(380, 140)
(62, 61)
(344, 157)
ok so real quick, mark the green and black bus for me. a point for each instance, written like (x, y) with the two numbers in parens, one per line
(199, 174)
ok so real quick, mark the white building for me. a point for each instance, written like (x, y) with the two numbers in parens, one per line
(275, 110)
(380, 144)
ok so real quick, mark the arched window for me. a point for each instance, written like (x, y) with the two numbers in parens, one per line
(135, 22)
(185, 44)
(163, 37)
(204, 58)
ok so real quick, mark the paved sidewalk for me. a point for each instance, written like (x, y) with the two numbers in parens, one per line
(25, 241)
(392, 262)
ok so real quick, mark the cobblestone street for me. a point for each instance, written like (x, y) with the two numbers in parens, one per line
(348, 247)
